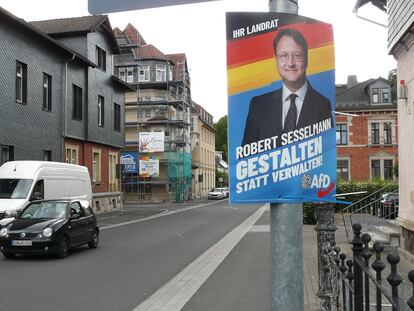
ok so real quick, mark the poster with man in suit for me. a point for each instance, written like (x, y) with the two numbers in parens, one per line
(281, 86)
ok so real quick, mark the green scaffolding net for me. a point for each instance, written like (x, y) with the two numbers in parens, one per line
(179, 174)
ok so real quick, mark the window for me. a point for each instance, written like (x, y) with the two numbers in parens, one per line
(101, 110)
(386, 95)
(148, 113)
(7, 154)
(101, 58)
(96, 165)
(21, 83)
(341, 134)
(117, 117)
(72, 154)
(130, 75)
(47, 92)
(161, 73)
(121, 73)
(387, 133)
(113, 160)
(77, 102)
(375, 133)
(170, 73)
(382, 168)
(375, 95)
(144, 73)
(375, 169)
(342, 169)
(388, 169)
(47, 155)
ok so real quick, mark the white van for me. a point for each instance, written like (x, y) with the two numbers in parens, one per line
(25, 181)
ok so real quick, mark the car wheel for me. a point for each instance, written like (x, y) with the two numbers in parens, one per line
(8, 255)
(62, 248)
(95, 240)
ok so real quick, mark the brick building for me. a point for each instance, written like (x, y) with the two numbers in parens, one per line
(366, 130)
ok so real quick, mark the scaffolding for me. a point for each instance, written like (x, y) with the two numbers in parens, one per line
(161, 105)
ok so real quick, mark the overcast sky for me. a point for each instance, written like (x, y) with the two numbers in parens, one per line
(199, 31)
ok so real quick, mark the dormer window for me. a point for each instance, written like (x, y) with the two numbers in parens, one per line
(375, 95)
(381, 95)
(386, 95)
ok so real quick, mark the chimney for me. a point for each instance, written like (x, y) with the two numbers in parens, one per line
(352, 81)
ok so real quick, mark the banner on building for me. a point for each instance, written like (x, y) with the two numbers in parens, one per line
(281, 88)
(129, 159)
(149, 166)
(151, 142)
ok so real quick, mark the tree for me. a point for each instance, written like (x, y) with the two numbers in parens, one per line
(221, 136)
(392, 76)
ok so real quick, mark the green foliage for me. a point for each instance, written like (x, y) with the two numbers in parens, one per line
(392, 76)
(309, 214)
(225, 181)
(221, 136)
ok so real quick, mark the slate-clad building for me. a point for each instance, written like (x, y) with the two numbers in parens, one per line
(366, 130)
(59, 99)
(401, 46)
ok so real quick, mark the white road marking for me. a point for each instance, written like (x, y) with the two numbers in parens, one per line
(164, 213)
(178, 291)
(260, 228)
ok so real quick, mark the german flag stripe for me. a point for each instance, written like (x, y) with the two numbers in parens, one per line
(264, 72)
(257, 48)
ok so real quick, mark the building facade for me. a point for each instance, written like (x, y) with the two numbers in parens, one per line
(60, 88)
(401, 46)
(366, 130)
(203, 149)
(161, 107)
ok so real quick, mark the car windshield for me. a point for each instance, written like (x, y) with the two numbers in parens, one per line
(14, 188)
(53, 210)
(216, 190)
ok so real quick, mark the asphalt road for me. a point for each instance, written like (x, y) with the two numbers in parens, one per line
(140, 252)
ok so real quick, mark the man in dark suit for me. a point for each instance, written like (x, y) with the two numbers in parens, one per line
(296, 104)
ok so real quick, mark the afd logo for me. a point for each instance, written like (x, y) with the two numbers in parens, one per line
(323, 183)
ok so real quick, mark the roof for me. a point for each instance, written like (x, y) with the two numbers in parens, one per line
(358, 97)
(82, 24)
(150, 52)
(64, 27)
(12, 19)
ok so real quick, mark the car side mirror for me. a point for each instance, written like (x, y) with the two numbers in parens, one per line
(74, 216)
(36, 196)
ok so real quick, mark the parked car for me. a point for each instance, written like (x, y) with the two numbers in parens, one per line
(389, 205)
(225, 191)
(50, 227)
(216, 194)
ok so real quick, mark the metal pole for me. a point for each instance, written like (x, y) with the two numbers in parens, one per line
(286, 239)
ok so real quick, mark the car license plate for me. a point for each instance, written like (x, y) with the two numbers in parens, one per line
(21, 243)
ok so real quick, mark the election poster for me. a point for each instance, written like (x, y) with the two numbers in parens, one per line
(281, 103)
(130, 161)
(149, 166)
(151, 142)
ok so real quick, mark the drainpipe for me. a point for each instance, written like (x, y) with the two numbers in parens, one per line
(65, 100)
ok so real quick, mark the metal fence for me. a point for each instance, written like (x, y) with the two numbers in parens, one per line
(357, 284)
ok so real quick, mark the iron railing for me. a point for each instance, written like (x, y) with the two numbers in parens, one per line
(352, 279)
